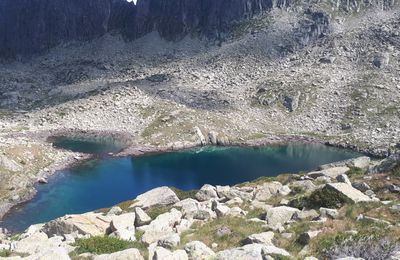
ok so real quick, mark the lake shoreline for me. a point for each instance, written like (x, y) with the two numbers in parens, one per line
(139, 151)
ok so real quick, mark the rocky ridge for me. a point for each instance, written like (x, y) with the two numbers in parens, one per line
(294, 216)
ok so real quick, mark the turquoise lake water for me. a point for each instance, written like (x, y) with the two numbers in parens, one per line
(105, 182)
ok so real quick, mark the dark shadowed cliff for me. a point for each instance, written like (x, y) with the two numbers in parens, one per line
(31, 26)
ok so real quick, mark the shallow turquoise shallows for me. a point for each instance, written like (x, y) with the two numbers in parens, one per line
(106, 182)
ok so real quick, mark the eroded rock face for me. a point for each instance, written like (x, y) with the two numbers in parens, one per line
(52, 22)
(33, 25)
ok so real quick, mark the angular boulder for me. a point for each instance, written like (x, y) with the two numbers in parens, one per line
(141, 218)
(206, 192)
(348, 191)
(280, 215)
(162, 196)
(93, 224)
(198, 250)
(128, 254)
(264, 238)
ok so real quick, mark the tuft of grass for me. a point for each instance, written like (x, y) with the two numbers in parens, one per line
(101, 245)
(207, 233)
(181, 194)
(5, 253)
(154, 212)
(396, 171)
(355, 172)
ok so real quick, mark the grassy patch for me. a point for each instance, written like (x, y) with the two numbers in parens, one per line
(154, 212)
(101, 245)
(5, 253)
(396, 171)
(190, 194)
(355, 172)
(207, 233)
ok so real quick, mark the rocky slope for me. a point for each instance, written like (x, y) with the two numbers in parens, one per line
(308, 70)
(340, 210)
(322, 71)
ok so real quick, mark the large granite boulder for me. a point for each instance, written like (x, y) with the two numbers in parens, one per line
(93, 224)
(128, 254)
(346, 190)
(162, 196)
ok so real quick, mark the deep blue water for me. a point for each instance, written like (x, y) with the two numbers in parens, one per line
(106, 182)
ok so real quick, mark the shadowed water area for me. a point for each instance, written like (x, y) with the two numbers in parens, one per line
(105, 182)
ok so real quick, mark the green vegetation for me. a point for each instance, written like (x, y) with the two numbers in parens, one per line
(101, 245)
(207, 233)
(355, 172)
(190, 194)
(325, 197)
(5, 253)
(154, 212)
(396, 171)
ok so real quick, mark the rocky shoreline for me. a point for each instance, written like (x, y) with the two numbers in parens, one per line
(134, 150)
(302, 209)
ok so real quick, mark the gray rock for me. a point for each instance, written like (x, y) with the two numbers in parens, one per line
(343, 178)
(381, 60)
(348, 191)
(306, 237)
(93, 224)
(128, 254)
(251, 252)
(114, 211)
(329, 213)
(198, 250)
(221, 210)
(393, 188)
(206, 192)
(161, 253)
(264, 238)
(305, 215)
(267, 190)
(141, 218)
(280, 215)
(123, 221)
(223, 231)
(162, 196)
(361, 186)
(170, 241)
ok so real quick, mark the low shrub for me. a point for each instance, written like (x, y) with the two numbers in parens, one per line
(368, 248)
(101, 245)
(5, 253)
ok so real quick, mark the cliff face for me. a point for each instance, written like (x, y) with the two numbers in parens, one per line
(175, 18)
(30, 26)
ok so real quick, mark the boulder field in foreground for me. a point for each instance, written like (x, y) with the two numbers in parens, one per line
(254, 220)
